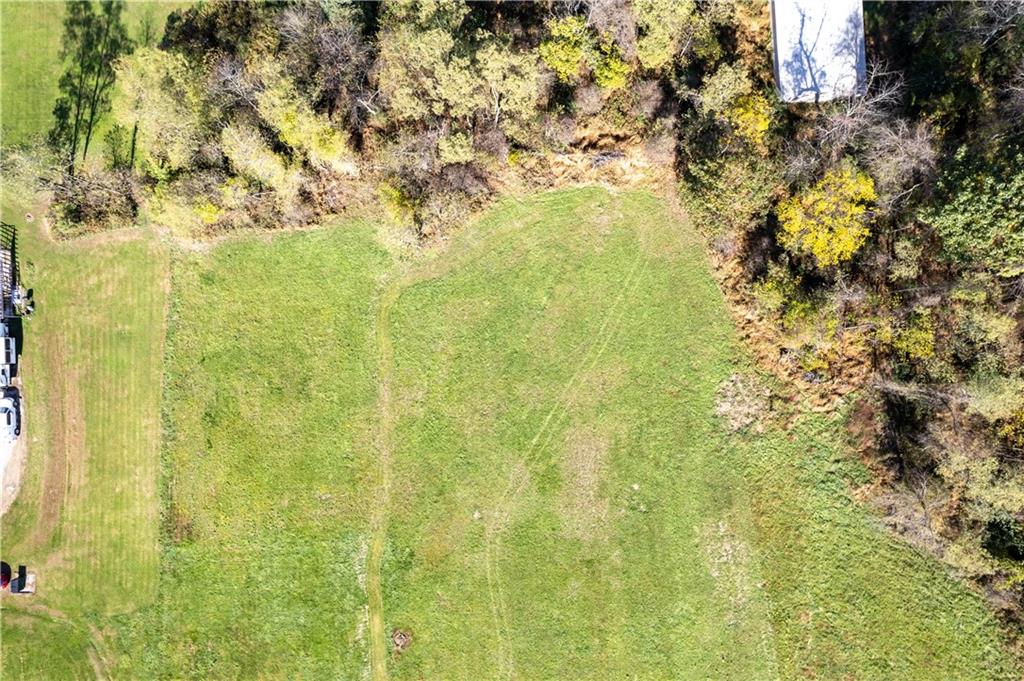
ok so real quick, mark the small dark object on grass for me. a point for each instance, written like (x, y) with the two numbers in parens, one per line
(401, 639)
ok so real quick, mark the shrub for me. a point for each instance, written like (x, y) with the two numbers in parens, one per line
(750, 117)
(917, 340)
(566, 47)
(906, 263)
(723, 88)
(454, 149)
(777, 290)
(157, 96)
(661, 25)
(250, 156)
(980, 213)
(93, 200)
(996, 398)
(610, 70)
(1011, 430)
(298, 126)
(729, 194)
(399, 206)
(829, 220)
(572, 46)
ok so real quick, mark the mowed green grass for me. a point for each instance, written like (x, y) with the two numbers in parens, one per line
(31, 32)
(67, 648)
(86, 519)
(269, 407)
(524, 421)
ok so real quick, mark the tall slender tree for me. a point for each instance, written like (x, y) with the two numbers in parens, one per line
(92, 43)
(113, 43)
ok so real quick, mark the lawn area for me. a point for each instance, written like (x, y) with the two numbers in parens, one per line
(505, 448)
(508, 451)
(87, 516)
(270, 403)
(30, 64)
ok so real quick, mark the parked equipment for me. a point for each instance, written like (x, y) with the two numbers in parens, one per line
(22, 584)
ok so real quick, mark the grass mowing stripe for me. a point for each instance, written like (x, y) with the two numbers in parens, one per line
(87, 365)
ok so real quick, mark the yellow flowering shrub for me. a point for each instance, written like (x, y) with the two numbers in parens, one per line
(829, 220)
(750, 117)
(572, 45)
(207, 212)
(1012, 430)
(566, 47)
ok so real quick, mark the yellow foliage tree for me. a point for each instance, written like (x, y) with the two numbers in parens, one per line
(829, 220)
(301, 128)
(750, 117)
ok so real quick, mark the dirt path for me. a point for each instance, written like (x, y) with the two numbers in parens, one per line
(378, 523)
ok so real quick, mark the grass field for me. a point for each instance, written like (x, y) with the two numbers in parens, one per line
(87, 515)
(506, 449)
(30, 63)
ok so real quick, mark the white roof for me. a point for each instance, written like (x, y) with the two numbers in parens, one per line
(819, 49)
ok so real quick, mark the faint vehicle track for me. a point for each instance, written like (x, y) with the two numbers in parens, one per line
(520, 475)
(433, 269)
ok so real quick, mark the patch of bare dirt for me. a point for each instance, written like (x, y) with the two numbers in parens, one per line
(744, 403)
(729, 562)
(67, 443)
(584, 509)
(401, 639)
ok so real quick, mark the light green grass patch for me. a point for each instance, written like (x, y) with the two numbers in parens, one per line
(269, 404)
(86, 519)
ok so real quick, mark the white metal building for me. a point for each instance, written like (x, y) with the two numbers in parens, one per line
(818, 49)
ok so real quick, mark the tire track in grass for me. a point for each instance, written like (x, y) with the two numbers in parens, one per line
(517, 483)
(378, 522)
(474, 250)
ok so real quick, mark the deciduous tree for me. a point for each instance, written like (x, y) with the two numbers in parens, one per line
(829, 220)
(92, 43)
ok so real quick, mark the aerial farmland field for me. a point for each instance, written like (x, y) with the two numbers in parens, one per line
(540, 341)
(507, 449)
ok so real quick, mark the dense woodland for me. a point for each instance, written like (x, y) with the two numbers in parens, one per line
(878, 243)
